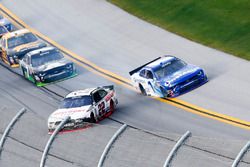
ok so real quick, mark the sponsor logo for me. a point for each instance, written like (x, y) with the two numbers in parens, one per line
(109, 96)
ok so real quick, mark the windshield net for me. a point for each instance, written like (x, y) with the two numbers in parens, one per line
(41, 59)
(74, 102)
(169, 68)
(21, 39)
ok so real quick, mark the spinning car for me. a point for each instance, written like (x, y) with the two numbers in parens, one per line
(89, 105)
(14, 45)
(167, 76)
(46, 65)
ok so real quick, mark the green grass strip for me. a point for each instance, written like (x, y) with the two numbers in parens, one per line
(221, 24)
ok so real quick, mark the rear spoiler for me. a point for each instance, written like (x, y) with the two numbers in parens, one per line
(109, 87)
(137, 69)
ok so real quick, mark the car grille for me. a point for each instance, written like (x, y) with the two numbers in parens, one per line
(191, 83)
(58, 73)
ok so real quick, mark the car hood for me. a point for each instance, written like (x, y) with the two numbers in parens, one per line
(181, 75)
(52, 64)
(73, 113)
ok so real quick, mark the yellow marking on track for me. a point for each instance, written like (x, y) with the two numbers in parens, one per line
(126, 82)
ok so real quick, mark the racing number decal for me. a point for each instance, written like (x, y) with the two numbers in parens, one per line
(101, 108)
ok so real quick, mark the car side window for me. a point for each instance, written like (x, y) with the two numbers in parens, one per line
(142, 73)
(96, 97)
(102, 93)
(149, 74)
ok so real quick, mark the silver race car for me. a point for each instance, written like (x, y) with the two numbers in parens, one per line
(88, 105)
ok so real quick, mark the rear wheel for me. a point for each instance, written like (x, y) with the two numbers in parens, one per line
(111, 107)
(143, 92)
(92, 118)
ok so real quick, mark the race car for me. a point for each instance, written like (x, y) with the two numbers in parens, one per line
(14, 45)
(167, 76)
(88, 105)
(6, 23)
(46, 65)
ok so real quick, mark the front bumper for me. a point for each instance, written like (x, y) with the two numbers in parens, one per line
(72, 124)
(185, 86)
(50, 78)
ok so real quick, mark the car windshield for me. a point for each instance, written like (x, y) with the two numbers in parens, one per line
(21, 39)
(46, 57)
(3, 30)
(73, 102)
(169, 68)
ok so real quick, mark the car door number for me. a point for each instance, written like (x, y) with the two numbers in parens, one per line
(101, 108)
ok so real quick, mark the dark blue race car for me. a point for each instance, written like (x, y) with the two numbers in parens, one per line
(167, 76)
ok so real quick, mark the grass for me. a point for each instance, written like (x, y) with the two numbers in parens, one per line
(221, 24)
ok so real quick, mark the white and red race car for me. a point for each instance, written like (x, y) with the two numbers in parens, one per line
(88, 105)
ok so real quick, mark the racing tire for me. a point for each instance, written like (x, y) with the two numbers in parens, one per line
(23, 72)
(111, 106)
(33, 76)
(164, 92)
(143, 92)
(92, 118)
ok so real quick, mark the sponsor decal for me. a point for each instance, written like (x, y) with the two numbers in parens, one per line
(109, 96)
(68, 112)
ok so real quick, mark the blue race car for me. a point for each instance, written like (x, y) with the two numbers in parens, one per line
(167, 76)
(6, 23)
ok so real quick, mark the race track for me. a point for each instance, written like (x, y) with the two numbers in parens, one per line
(119, 42)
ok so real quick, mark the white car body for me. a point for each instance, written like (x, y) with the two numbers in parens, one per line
(100, 107)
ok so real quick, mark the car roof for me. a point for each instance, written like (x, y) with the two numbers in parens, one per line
(16, 33)
(160, 61)
(41, 50)
(83, 92)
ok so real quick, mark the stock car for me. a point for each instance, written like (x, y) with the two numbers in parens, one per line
(46, 65)
(6, 23)
(88, 105)
(167, 76)
(14, 45)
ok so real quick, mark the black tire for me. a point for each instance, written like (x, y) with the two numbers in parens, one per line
(92, 118)
(143, 92)
(23, 72)
(164, 93)
(33, 76)
(112, 106)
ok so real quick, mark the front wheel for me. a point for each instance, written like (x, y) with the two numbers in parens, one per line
(92, 118)
(34, 79)
(143, 92)
(111, 107)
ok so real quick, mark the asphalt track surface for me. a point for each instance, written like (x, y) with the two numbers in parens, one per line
(98, 30)
(83, 31)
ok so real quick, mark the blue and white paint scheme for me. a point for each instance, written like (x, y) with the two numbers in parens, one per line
(6, 23)
(167, 76)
